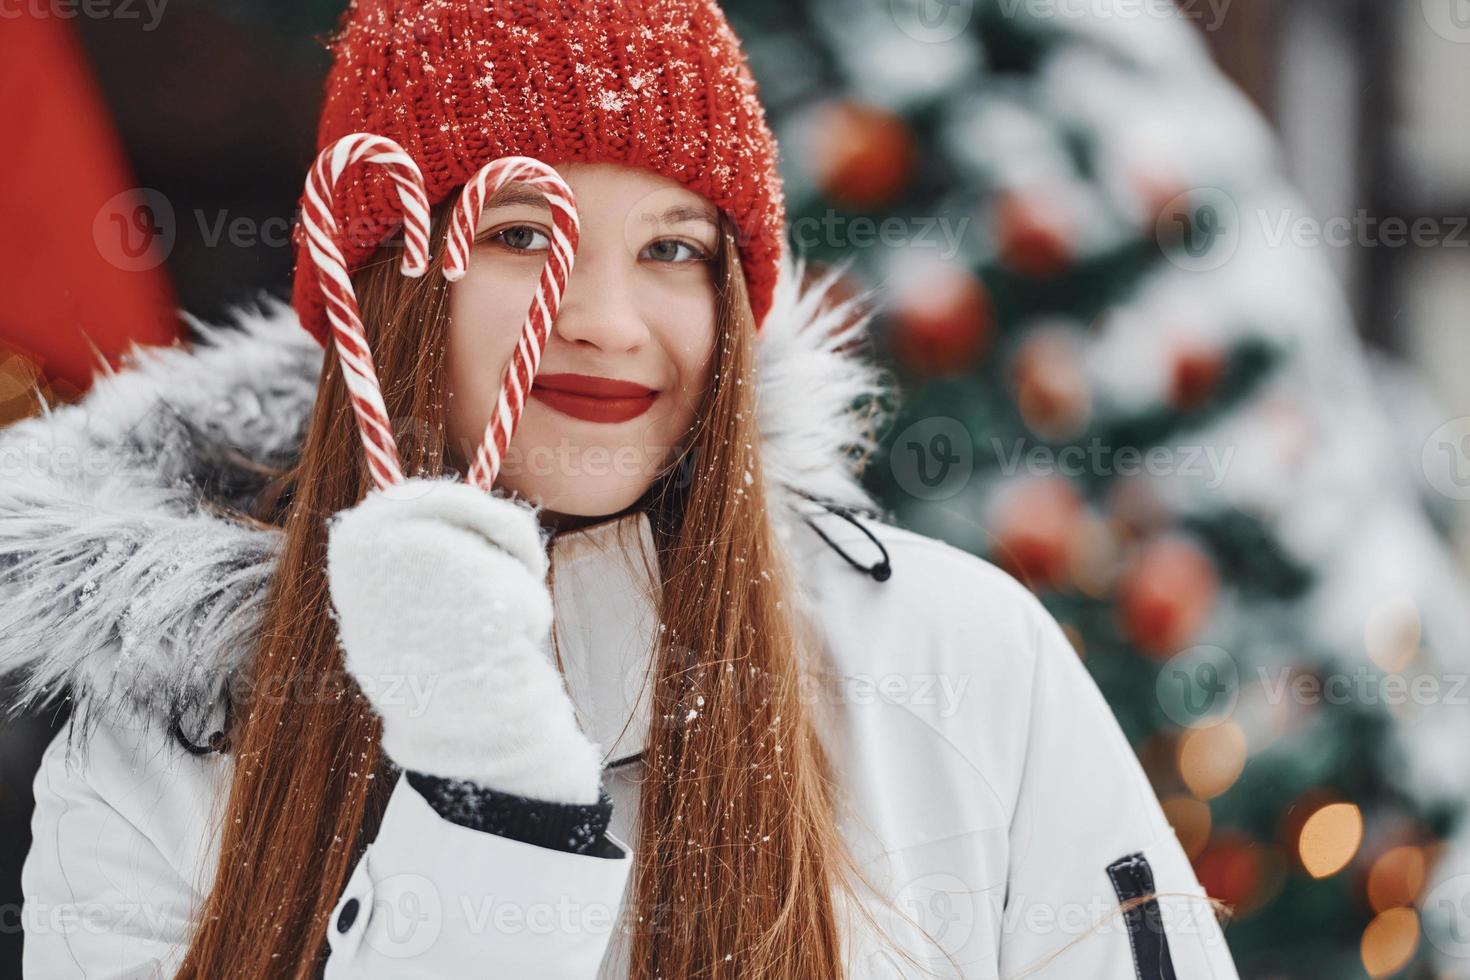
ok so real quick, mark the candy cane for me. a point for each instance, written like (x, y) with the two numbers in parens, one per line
(341, 301)
(515, 382)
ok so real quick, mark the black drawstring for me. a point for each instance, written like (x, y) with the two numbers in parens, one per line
(217, 742)
(880, 570)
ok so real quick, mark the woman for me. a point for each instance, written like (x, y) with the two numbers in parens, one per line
(673, 702)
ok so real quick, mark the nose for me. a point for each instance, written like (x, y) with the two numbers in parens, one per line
(599, 306)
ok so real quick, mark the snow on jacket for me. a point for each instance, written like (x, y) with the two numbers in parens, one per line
(989, 792)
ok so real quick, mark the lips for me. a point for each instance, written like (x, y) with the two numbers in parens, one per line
(592, 398)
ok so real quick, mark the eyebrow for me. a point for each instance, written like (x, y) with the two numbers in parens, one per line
(690, 212)
(518, 192)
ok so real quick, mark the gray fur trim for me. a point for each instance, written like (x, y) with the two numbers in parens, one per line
(120, 579)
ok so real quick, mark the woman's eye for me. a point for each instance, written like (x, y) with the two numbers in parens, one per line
(521, 238)
(667, 250)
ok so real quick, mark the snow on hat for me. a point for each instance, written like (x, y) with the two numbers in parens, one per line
(661, 84)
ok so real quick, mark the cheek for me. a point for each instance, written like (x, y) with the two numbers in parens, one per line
(687, 334)
(483, 330)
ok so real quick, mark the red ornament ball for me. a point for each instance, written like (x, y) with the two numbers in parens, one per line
(942, 323)
(863, 156)
(1234, 870)
(1035, 234)
(1053, 393)
(1196, 373)
(1038, 527)
(1168, 592)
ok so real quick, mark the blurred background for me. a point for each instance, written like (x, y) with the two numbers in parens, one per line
(1177, 292)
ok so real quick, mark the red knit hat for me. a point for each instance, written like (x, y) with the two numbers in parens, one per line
(661, 84)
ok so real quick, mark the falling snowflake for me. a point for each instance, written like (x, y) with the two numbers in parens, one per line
(610, 101)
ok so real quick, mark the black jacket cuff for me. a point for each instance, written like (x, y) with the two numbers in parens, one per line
(579, 828)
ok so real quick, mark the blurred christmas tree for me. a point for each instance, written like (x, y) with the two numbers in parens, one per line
(1123, 388)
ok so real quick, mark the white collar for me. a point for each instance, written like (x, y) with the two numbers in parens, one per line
(605, 588)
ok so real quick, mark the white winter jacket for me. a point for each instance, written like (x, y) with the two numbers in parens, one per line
(988, 791)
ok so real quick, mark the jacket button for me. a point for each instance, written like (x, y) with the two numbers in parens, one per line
(348, 915)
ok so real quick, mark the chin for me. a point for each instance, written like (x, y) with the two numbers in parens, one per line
(578, 498)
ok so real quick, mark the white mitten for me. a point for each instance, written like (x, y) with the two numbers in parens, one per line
(444, 616)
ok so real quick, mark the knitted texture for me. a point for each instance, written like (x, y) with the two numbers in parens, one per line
(660, 84)
(578, 828)
(444, 617)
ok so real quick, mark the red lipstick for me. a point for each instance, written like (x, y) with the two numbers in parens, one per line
(593, 399)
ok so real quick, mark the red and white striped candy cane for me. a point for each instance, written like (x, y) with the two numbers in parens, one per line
(341, 301)
(515, 383)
